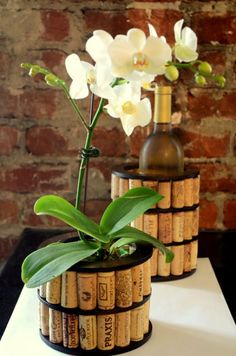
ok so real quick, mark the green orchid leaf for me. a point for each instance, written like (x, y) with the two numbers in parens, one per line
(49, 262)
(61, 209)
(126, 208)
(130, 235)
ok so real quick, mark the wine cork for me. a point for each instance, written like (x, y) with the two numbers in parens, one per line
(42, 290)
(124, 288)
(165, 227)
(178, 226)
(152, 185)
(163, 268)
(187, 257)
(106, 331)
(135, 183)
(196, 189)
(194, 251)
(87, 290)
(122, 329)
(195, 222)
(106, 290)
(55, 326)
(53, 291)
(70, 328)
(88, 332)
(177, 194)
(69, 296)
(123, 186)
(188, 192)
(137, 324)
(188, 221)
(115, 186)
(138, 223)
(147, 277)
(154, 262)
(150, 224)
(44, 318)
(164, 189)
(137, 283)
(146, 310)
(177, 265)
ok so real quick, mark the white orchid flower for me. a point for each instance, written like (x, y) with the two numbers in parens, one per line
(127, 105)
(84, 74)
(186, 43)
(134, 56)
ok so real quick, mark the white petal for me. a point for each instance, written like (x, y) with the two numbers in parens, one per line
(79, 89)
(189, 38)
(144, 112)
(158, 53)
(185, 54)
(152, 30)
(103, 74)
(111, 110)
(73, 65)
(177, 30)
(105, 93)
(126, 124)
(121, 52)
(87, 66)
(137, 38)
(97, 45)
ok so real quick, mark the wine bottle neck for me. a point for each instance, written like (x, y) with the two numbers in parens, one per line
(162, 105)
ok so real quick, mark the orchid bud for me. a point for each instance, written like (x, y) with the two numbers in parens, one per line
(200, 79)
(220, 80)
(205, 68)
(171, 73)
(51, 79)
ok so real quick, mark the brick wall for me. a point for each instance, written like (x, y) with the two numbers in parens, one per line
(40, 137)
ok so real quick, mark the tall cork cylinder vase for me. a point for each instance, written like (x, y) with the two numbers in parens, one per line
(174, 220)
(98, 307)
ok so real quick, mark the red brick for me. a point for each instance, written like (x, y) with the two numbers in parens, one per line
(137, 139)
(4, 64)
(7, 246)
(34, 179)
(8, 139)
(212, 26)
(202, 103)
(229, 214)
(216, 59)
(103, 166)
(46, 140)
(9, 212)
(52, 59)
(95, 209)
(208, 214)
(110, 142)
(197, 145)
(8, 103)
(56, 25)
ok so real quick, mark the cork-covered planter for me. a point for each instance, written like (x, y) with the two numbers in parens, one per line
(100, 307)
(174, 220)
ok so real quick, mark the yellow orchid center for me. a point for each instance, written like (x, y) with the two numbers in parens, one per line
(140, 61)
(91, 77)
(128, 108)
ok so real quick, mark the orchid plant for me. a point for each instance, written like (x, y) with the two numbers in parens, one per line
(122, 67)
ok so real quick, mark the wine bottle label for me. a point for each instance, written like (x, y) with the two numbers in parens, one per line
(138, 223)
(106, 331)
(196, 189)
(188, 192)
(115, 186)
(188, 221)
(163, 268)
(150, 224)
(195, 224)
(187, 257)
(88, 332)
(70, 327)
(135, 183)
(42, 290)
(122, 329)
(194, 251)
(123, 186)
(154, 262)
(124, 288)
(177, 194)
(164, 189)
(55, 326)
(147, 277)
(152, 185)
(53, 291)
(106, 290)
(87, 290)
(177, 265)
(137, 282)
(44, 318)
(165, 227)
(178, 226)
(69, 297)
(137, 324)
(146, 310)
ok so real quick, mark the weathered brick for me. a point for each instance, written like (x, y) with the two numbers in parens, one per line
(56, 25)
(208, 214)
(9, 137)
(95, 208)
(4, 64)
(9, 211)
(52, 59)
(212, 26)
(8, 103)
(137, 139)
(216, 58)
(32, 178)
(229, 214)
(110, 142)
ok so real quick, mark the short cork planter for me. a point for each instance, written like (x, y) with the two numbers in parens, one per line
(174, 220)
(99, 307)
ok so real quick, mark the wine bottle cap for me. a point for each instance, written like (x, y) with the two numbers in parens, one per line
(162, 104)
